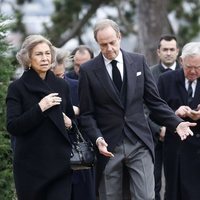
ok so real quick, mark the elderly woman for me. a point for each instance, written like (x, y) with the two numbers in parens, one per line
(39, 111)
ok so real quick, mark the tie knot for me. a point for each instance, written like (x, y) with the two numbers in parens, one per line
(114, 63)
(168, 69)
(190, 83)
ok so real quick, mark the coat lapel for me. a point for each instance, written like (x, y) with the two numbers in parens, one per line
(107, 83)
(131, 72)
(196, 99)
(180, 80)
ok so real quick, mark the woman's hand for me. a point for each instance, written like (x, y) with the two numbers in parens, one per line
(76, 110)
(49, 101)
(67, 121)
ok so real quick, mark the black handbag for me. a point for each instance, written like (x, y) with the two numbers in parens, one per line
(83, 154)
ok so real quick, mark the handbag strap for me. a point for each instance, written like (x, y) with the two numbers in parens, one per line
(79, 136)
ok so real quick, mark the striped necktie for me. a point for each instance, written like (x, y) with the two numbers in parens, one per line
(190, 92)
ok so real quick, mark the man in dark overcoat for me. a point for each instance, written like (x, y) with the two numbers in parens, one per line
(113, 88)
(181, 158)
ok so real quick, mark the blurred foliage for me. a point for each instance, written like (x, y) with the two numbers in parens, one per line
(71, 18)
(69, 12)
(188, 14)
(6, 71)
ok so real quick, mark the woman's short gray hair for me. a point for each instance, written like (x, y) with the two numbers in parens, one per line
(23, 56)
(191, 49)
(62, 57)
(102, 24)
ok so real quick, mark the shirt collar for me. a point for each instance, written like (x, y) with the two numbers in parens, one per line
(172, 67)
(193, 82)
(119, 59)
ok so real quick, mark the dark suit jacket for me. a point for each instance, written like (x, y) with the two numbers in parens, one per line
(157, 70)
(181, 158)
(103, 113)
(72, 75)
(73, 85)
(42, 147)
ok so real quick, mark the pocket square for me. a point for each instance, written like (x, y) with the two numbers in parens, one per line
(138, 73)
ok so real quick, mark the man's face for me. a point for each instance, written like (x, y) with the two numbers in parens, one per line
(168, 52)
(80, 58)
(191, 67)
(109, 42)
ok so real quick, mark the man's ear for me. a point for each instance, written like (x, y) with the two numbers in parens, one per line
(158, 52)
(180, 60)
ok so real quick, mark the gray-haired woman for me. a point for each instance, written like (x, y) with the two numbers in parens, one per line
(39, 110)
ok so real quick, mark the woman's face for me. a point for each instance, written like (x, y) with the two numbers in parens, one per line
(41, 58)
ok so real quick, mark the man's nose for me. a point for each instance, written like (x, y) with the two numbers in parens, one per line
(109, 47)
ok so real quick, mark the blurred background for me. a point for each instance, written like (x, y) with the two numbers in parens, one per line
(68, 23)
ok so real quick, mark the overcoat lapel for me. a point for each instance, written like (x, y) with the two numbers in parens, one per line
(181, 86)
(131, 71)
(36, 85)
(195, 101)
(107, 83)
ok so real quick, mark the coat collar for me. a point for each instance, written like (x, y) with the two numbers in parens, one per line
(41, 88)
(35, 84)
(162, 69)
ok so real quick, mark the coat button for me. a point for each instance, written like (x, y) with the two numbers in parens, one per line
(197, 135)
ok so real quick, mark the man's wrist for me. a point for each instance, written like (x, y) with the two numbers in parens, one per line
(98, 139)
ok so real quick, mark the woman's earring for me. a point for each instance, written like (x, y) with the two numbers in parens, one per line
(29, 66)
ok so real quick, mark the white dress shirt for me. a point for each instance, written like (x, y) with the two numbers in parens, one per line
(120, 64)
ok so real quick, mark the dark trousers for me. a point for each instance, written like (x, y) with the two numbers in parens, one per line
(158, 168)
(83, 184)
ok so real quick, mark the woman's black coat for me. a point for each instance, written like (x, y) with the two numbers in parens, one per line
(42, 148)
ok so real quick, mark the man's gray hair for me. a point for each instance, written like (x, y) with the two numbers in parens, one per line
(191, 49)
(102, 24)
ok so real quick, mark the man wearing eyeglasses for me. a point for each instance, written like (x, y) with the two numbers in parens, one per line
(181, 90)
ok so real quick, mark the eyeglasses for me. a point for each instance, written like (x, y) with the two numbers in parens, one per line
(191, 68)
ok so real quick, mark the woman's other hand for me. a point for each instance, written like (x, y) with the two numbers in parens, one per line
(67, 121)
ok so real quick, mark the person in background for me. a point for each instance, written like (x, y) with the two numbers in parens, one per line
(59, 69)
(80, 55)
(83, 184)
(113, 88)
(181, 90)
(167, 52)
(39, 113)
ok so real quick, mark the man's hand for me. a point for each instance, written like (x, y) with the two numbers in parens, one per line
(162, 133)
(183, 129)
(102, 146)
(194, 114)
(183, 111)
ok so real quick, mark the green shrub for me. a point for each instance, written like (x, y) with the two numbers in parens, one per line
(6, 71)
